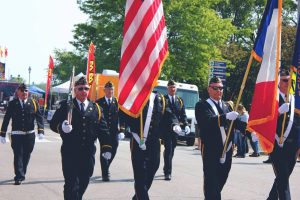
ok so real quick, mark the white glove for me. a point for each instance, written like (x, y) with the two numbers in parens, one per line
(232, 115)
(66, 127)
(254, 137)
(187, 130)
(177, 129)
(107, 155)
(3, 140)
(143, 146)
(121, 136)
(41, 136)
(284, 108)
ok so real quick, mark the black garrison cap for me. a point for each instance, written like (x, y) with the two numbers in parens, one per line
(171, 83)
(22, 87)
(81, 81)
(109, 85)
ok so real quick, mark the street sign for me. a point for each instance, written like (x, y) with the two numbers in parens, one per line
(217, 69)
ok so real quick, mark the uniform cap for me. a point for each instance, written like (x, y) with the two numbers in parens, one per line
(81, 81)
(171, 83)
(22, 87)
(215, 80)
(284, 72)
(109, 85)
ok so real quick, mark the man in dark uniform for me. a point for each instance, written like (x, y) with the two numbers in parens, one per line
(78, 139)
(145, 154)
(110, 107)
(176, 105)
(213, 116)
(23, 111)
(283, 156)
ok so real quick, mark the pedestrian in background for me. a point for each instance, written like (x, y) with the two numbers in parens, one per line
(240, 131)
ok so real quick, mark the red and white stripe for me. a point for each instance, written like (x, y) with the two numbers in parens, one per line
(144, 50)
(264, 109)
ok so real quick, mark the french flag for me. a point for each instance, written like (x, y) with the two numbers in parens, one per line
(264, 108)
(296, 64)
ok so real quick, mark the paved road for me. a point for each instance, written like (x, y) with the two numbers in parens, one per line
(249, 178)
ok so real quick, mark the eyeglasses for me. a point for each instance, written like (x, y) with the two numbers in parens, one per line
(217, 88)
(83, 88)
(285, 80)
(24, 90)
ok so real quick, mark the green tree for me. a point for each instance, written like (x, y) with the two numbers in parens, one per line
(64, 62)
(246, 16)
(104, 29)
(195, 34)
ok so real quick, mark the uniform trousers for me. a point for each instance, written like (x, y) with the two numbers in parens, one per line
(170, 145)
(106, 163)
(283, 161)
(22, 146)
(145, 163)
(215, 173)
(77, 166)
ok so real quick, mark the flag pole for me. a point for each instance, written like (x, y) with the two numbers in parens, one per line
(286, 101)
(237, 102)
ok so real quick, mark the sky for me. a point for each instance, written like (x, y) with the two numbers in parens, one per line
(32, 29)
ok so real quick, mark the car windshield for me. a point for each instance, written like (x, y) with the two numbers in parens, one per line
(190, 97)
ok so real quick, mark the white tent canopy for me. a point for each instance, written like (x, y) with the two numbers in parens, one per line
(64, 87)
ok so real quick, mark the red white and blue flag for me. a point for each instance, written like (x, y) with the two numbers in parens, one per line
(296, 64)
(267, 50)
(144, 50)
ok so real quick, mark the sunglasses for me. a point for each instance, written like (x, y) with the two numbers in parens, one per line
(217, 88)
(24, 90)
(83, 88)
(285, 80)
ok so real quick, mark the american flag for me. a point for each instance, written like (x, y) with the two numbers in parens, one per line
(144, 50)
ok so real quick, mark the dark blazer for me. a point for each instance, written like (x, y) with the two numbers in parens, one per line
(111, 114)
(174, 114)
(295, 130)
(22, 120)
(157, 113)
(86, 127)
(210, 130)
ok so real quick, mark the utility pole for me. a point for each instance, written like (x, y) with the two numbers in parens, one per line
(29, 71)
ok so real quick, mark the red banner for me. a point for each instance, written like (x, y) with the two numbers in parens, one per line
(91, 66)
(49, 77)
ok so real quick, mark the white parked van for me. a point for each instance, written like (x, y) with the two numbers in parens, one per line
(190, 95)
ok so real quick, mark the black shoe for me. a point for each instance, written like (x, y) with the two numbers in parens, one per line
(254, 155)
(240, 156)
(267, 161)
(18, 182)
(167, 177)
(105, 178)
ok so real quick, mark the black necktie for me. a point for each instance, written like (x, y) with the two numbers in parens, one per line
(82, 108)
(220, 110)
(172, 101)
(23, 104)
(108, 102)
